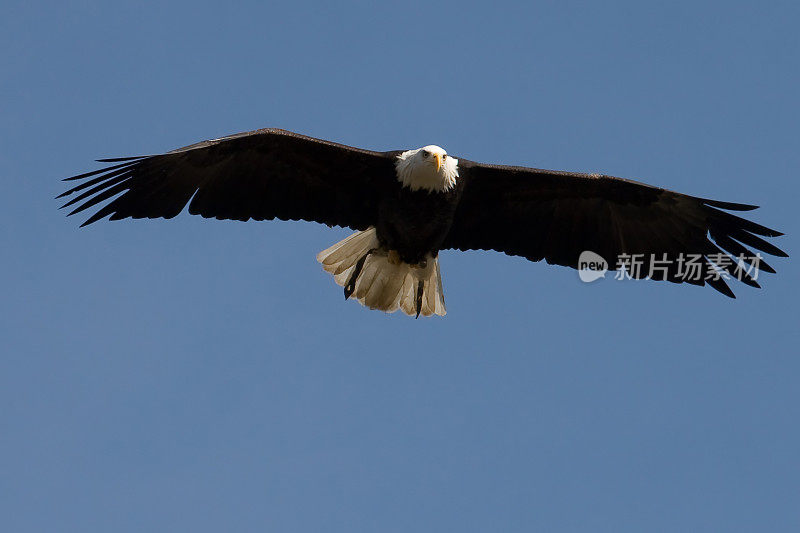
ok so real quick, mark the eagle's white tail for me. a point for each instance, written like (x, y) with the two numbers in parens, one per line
(378, 280)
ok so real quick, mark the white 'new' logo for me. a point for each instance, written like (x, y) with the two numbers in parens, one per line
(591, 266)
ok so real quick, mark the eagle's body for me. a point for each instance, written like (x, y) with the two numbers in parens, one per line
(408, 205)
(416, 223)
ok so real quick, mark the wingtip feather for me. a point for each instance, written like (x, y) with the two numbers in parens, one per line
(731, 206)
(117, 159)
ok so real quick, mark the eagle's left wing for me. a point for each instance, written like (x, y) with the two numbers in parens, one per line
(543, 214)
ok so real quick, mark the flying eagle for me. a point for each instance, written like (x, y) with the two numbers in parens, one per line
(407, 205)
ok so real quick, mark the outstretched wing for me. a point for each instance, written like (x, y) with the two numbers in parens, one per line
(259, 175)
(664, 235)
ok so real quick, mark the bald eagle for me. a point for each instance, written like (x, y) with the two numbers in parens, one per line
(407, 205)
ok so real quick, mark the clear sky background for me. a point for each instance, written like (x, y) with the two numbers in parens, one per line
(195, 375)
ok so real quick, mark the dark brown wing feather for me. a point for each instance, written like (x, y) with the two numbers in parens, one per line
(259, 175)
(542, 214)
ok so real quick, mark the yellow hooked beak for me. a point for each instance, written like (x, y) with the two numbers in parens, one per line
(438, 161)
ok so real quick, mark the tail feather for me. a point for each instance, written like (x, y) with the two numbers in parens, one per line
(408, 296)
(382, 284)
(346, 249)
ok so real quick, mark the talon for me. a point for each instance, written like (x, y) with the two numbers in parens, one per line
(418, 303)
(350, 286)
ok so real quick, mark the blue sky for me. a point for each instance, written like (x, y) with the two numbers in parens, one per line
(194, 375)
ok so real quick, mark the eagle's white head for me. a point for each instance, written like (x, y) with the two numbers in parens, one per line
(428, 168)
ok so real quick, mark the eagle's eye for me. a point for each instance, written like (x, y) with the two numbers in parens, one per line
(425, 153)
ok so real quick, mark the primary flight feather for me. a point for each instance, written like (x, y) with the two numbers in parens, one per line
(406, 205)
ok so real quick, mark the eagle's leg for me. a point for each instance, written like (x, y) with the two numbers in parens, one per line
(418, 302)
(350, 286)
(394, 257)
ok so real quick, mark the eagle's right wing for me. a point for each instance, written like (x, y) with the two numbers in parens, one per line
(259, 175)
